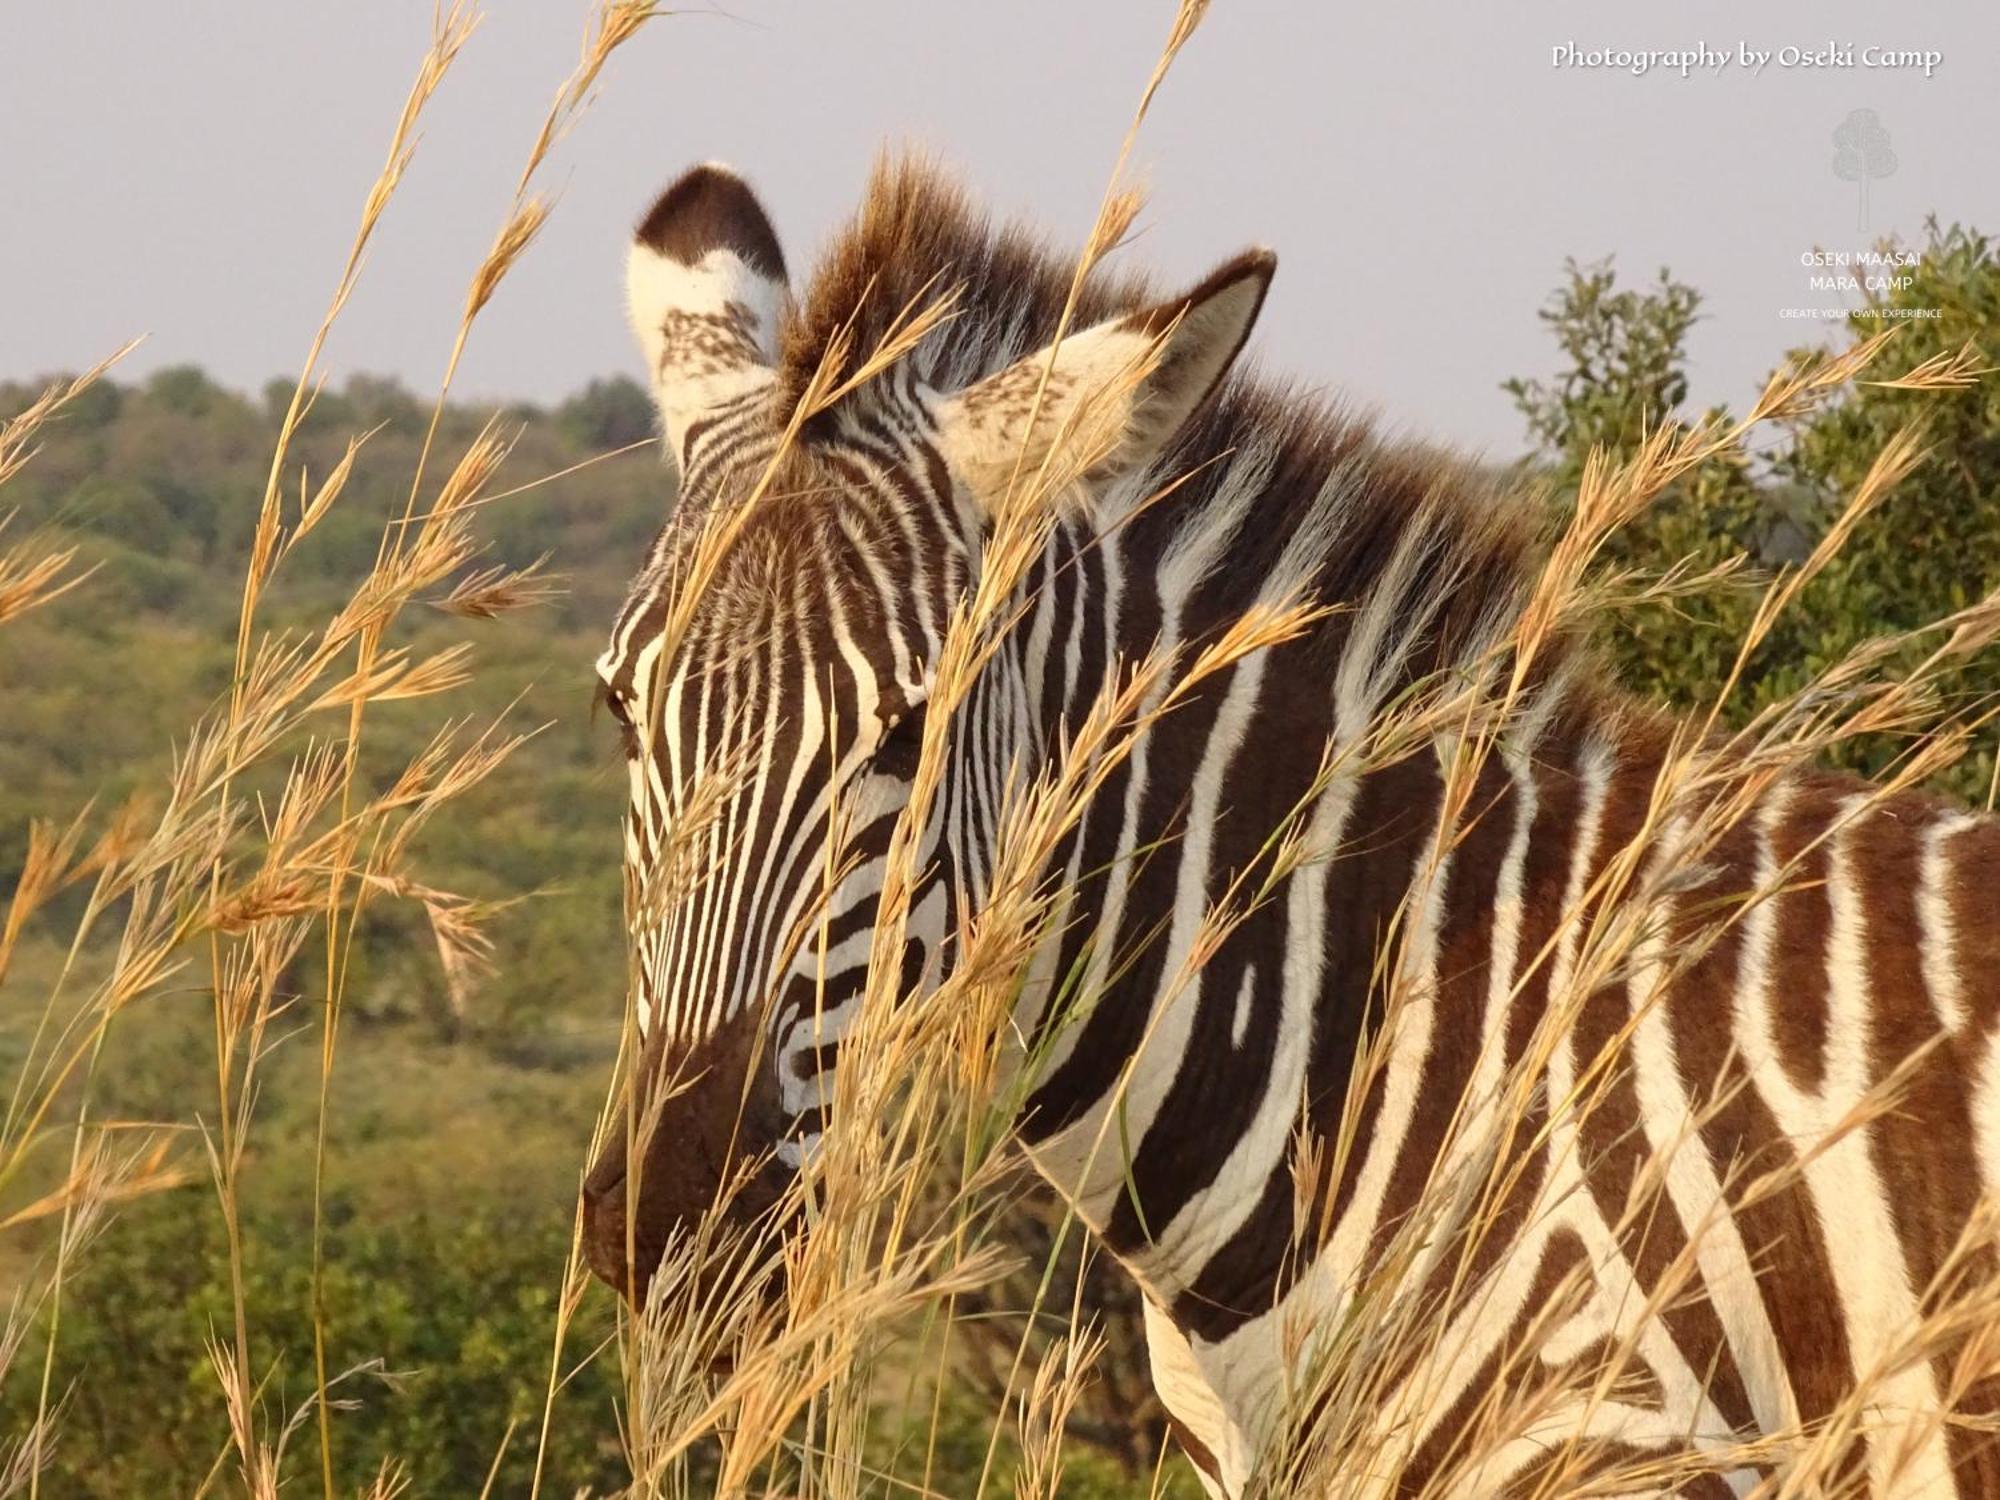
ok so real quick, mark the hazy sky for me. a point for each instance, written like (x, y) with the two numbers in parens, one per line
(193, 170)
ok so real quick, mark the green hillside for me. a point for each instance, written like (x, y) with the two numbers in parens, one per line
(458, 1126)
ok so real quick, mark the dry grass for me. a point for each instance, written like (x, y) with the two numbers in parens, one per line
(908, 1197)
(263, 838)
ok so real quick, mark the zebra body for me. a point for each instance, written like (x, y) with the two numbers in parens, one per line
(1184, 1100)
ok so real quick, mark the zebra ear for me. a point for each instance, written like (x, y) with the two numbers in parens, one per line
(705, 284)
(1115, 394)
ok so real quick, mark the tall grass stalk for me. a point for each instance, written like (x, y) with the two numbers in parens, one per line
(264, 828)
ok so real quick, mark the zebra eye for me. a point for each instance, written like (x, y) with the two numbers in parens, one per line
(620, 708)
(900, 747)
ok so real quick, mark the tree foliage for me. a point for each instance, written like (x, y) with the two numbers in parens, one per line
(1624, 372)
(1933, 547)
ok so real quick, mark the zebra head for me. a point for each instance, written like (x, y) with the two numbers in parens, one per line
(770, 686)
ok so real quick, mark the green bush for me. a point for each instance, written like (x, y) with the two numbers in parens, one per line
(1932, 547)
(444, 1324)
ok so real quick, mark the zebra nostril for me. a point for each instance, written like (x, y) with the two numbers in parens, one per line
(604, 1206)
(603, 1191)
(605, 1181)
(604, 1227)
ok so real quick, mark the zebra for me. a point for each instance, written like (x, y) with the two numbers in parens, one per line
(808, 656)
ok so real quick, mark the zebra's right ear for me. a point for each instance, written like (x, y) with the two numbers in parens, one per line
(1108, 398)
(705, 284)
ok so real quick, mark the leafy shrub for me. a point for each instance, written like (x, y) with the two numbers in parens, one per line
(1934, 545)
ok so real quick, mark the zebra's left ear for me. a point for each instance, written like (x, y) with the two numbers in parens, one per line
(1115, 393)
(705, 281)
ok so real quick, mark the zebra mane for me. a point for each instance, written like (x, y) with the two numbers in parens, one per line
(1396, 528)
(917, 238)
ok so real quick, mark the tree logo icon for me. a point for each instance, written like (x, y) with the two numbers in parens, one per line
(1861, 154)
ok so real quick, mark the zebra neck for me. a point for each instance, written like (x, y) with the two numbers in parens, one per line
(1184, 976)
(1195, 1005)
